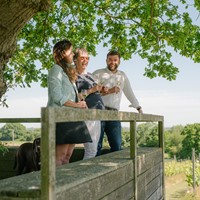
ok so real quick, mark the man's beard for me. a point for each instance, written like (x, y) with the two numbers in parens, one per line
(112, 69)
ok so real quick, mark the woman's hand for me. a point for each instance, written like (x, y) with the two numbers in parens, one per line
(96, 88)
(81, 104)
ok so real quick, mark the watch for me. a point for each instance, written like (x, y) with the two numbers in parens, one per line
(139, 107)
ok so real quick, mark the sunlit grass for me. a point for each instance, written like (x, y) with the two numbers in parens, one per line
(174, 167)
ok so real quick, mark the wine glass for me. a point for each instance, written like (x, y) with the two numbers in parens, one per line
(118, 82)
(84, 93)
(98, 82)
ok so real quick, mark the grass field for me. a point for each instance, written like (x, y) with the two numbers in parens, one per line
(177, 189)
(13, 143)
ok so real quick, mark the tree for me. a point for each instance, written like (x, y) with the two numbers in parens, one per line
(191, 140)
(33, 133)
(173, 140)
(147, 134)
(139, 27)
(19, 131)
(125, 137)
(13, 16)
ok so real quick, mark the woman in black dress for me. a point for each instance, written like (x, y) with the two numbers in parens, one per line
(62, 92)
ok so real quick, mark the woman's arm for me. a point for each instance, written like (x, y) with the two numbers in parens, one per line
(80, 104)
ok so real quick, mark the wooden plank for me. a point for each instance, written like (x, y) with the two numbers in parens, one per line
(133, 154)
(102, 176)
(141, 185)
(7, 174)
(75, 114)
(48, 167)
(125, 192)
(153, 186)
(161, 144)
(153, 172)
(19, 120)
(157, 194)
(145, 162)
(109, 175)
(26, 185)
(146, 178)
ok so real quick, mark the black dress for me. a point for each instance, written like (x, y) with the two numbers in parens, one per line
(93, 100)
(72, 132)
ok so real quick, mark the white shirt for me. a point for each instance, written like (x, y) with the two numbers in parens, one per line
(119, 79)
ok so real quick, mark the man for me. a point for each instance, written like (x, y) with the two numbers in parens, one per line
(115, 81)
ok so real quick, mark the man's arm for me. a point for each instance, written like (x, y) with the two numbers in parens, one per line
(130, 95)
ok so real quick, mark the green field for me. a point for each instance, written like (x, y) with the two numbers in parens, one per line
(176, 181)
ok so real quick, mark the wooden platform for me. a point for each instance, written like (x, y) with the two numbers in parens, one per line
(107, 177)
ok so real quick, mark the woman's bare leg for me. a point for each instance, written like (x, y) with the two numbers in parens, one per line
(68, 154)
(64, 153)
(60, 153)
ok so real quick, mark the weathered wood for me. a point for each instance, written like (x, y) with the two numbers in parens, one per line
(19, 120)
(107, 177)
(27, 185)
(125, 193)
(48, 155)
(133, 154)
(7, 163)
(153, 186)
(52, 115)
(75, 114)
(157, 194)
(7, 160)
(161, 144)
(146, 178)
(152, 159)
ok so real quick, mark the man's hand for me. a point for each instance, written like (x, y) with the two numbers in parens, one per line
(114, 89)
(139, 109)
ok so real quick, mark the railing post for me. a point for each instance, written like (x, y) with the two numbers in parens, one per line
(133, 153)
(193, 171)
(161, 145)
(48, 176)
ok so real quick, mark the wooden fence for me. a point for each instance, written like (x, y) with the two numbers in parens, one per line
(50, 116)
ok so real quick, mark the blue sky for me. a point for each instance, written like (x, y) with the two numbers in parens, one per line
(178, 101)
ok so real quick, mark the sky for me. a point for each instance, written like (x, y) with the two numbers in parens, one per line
(178, 101)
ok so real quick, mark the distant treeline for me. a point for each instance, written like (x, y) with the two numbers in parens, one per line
(179, 140)
(18, 132)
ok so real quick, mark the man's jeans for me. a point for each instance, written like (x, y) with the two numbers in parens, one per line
(113, 132)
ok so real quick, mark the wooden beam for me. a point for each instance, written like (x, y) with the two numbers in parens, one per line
(48, 165)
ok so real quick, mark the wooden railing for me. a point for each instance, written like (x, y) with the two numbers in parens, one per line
(50, 116)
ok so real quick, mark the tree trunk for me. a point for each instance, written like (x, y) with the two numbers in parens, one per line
(14, 14)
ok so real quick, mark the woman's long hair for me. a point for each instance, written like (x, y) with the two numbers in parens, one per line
(58, 54)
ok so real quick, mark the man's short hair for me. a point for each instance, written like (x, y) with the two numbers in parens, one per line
(113, 53)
